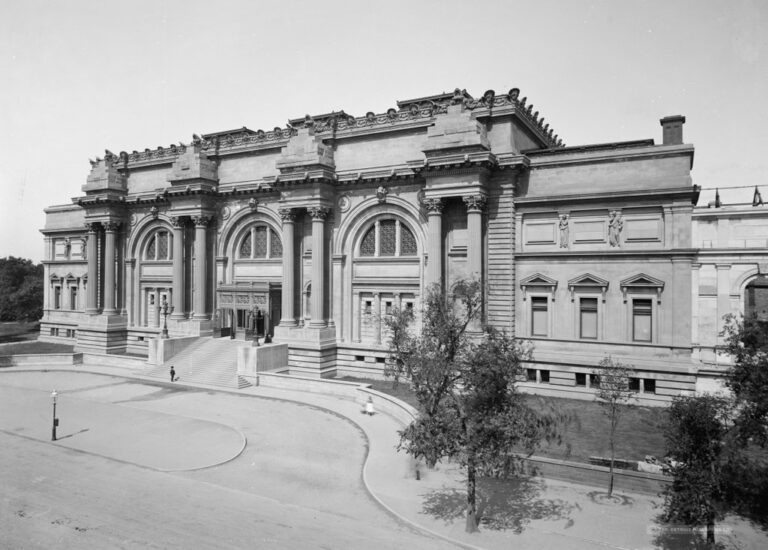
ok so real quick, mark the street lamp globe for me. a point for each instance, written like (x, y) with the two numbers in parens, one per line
(54, 396)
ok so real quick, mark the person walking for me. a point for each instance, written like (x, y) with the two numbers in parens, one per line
(173, 374)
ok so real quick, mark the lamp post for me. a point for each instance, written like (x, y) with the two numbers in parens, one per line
(165, 309)
(54, 396)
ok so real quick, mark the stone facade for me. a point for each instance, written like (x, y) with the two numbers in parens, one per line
(730, 275)
(314, 232)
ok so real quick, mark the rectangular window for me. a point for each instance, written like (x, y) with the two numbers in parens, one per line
(73, 298)
(588, 318)
(359, 358)
(530, 375)
(57, 297)
(594, 380)
(581, 379)
(409, 306)
(650, 385)
(634, 384)
(368, 307)
(539, 316)
(642, 311)
(544, 376)
(388, 308)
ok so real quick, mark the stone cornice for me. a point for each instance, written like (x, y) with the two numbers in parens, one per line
(623, 196)
(577, 155)
(460, 160)
(612, 255)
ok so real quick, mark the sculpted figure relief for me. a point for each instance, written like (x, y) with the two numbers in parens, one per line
(564, 231)
(615, 225)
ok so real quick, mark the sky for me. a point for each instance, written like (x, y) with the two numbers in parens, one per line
(79, 77)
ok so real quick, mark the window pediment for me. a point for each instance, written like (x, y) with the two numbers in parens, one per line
(588, 281)
(642, 282)
(539, 282)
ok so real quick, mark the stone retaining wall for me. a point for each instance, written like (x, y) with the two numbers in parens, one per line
(54, 359)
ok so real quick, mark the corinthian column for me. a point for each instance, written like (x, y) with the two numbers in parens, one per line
(110, 228)
(435, 246)
(318, 266)
(91, 303)
(289, 222)
(201, 266)
(475, 205)
(178, 224)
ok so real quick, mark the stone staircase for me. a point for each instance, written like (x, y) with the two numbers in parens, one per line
(211, 361)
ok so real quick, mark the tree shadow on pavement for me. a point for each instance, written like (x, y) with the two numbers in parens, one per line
(502, 504)
(675, 537)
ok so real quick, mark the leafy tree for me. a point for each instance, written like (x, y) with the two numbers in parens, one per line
(21, 290)
(747, 342)
(469, 408)
(697, 437)
(614, 396)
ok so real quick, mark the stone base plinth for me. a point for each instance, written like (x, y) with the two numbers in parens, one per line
(102, 334)
(252, 360)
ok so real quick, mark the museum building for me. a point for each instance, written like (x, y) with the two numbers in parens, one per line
(313, 233)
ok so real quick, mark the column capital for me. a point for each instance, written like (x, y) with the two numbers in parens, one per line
(92, 227)
(318, 212)
(178, 222)
(475, 203)
(202, 221)
(288, 215)
(111, 227)
(434, 206)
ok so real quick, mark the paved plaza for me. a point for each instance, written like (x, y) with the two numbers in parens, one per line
(142, 464)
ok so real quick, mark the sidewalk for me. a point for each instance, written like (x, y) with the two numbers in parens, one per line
(528, 513)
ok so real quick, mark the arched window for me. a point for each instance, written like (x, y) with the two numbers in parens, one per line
(756, 299)
(158, 246)
(388, 237)
(260, 242)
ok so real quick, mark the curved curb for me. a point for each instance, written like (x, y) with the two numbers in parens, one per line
(219, 463)
(366, 484)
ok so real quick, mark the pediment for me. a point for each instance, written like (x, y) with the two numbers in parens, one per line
(642, 280)
(54, 277)
(537, 279)
(588, 280)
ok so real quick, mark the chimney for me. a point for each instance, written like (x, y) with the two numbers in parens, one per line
(673, 129)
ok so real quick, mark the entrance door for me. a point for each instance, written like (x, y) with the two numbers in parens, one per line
(151, 308)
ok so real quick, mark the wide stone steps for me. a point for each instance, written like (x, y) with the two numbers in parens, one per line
(209, 361)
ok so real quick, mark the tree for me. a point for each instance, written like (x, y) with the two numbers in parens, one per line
(21, 290)
(747, 342)
(469, 408)
(614, 396)
(697, 436)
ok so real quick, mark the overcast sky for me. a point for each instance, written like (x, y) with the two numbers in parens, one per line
(78, 77)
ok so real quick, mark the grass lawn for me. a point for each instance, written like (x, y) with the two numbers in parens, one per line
(638, 433)
(33, 347)
(16, 331)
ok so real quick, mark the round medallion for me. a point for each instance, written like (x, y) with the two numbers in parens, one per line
(344, 203)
